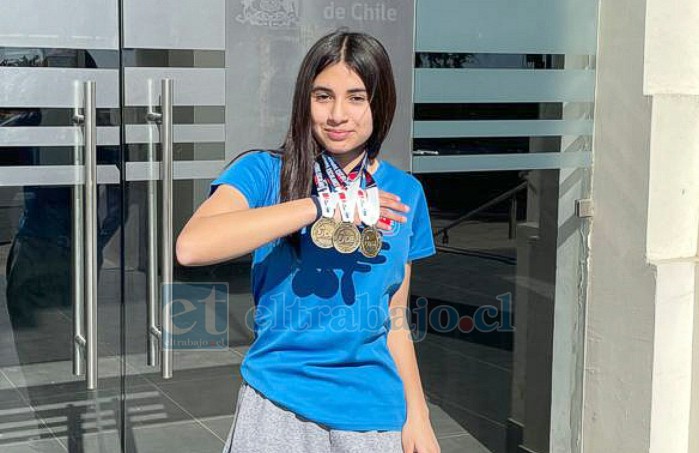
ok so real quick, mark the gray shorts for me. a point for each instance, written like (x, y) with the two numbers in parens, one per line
(260, 426)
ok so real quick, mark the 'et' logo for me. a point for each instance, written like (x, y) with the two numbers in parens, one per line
(199, 315)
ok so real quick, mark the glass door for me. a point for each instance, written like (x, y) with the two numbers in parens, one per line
(60, 212)
(503, 133)
(81, 220)
(180, 394)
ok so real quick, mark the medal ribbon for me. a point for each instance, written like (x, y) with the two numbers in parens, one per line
(368, 201)
(346, 185)
(337, 176)
(321, 175)
(327, 198)
(341, 188)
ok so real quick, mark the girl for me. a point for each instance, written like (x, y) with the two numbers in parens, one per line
(330, 369)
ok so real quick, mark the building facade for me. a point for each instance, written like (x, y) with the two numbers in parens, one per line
(557, 144)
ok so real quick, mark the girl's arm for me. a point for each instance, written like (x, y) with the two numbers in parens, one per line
(417, 434)
(224, 227)
(400, 344)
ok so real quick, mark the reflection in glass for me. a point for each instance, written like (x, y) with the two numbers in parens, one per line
(484, 304)
(44, 401)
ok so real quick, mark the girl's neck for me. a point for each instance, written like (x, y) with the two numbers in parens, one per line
(347, 161)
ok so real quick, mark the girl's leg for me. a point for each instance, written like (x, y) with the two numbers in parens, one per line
(227, 446)
(260, 426)
(360, 442)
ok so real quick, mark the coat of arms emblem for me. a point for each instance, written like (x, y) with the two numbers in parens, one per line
(270, 13)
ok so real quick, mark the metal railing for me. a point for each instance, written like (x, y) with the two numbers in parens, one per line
(511, 194)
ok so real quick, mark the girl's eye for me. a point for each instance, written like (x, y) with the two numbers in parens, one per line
(321, 97)
(358, 99)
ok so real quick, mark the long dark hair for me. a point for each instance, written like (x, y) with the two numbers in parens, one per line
(366, 56)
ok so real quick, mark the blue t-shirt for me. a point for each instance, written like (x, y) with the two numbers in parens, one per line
(322, 319)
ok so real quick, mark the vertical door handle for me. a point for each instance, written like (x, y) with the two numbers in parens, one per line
(85, 244)
(160, 334)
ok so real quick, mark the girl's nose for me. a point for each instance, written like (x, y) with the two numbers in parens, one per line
(337, 112)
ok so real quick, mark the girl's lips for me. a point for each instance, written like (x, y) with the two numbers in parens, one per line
(337, 135)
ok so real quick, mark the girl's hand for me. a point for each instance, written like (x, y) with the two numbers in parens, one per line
(390, 208)
(418, 436)
(389, 204)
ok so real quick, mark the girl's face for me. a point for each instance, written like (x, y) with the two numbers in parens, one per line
(340, 110)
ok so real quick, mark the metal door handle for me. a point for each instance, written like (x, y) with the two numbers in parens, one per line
(160, 334)
(85, 244)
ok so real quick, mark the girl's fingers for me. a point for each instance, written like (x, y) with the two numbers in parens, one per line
(392, 215)
(384, 224)
(393, 202)
(390, 207)
(388, 196)
(383, 193)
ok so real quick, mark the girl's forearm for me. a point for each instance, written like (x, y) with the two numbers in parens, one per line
(222, 237)
(401, 346)
(402, 349)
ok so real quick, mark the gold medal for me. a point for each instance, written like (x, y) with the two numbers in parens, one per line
(346, 238)
(322, 232)
(370, 244)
